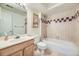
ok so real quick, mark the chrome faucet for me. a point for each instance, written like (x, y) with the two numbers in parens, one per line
(6, 36)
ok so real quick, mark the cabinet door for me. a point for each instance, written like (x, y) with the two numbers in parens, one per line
(19, 53)
(29, 51)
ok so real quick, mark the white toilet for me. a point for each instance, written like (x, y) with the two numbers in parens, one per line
(41, 46)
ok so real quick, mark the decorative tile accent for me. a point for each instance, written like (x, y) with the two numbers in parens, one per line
(46, 21)
(70, 19)
(59, 20)
(67, 17)
(54, 20)
(64, 19)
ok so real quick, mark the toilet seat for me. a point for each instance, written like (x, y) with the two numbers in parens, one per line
(42, 45)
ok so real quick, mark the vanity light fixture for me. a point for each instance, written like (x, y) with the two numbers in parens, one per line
(22, 5)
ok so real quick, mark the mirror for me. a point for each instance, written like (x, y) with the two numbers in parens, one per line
(12, 19)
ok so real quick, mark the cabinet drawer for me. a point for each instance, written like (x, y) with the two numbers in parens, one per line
(19, 53)
(14, 48)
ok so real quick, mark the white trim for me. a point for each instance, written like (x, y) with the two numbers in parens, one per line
(56, 5)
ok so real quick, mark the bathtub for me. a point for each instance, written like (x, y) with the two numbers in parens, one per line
(65, 47)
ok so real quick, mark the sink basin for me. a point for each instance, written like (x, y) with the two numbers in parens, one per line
(7, 42)
(13, 41)
(4, 44)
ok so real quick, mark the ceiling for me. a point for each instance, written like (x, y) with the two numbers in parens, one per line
(47, 5)
(45, 8)
(40, 6)
(51, 8)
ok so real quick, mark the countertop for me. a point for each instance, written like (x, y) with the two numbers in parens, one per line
(10, 42)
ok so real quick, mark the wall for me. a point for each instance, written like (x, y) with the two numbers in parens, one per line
(30, 30)
(77, 32)
(43, 27)
(63, 30)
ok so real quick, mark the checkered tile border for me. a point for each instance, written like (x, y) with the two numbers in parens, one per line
(62, 19)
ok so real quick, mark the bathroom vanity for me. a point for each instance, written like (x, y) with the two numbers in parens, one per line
(23, 46)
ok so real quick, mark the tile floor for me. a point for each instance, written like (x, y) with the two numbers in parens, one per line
(48, 53)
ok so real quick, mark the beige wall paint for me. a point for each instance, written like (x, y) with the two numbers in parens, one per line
(43, 30)
(30, 29)
(63, 30)
(43, 27)
(77, 32)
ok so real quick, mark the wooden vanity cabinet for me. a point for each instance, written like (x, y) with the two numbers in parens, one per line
(22, 49)
(29, 50)
(18, 53)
